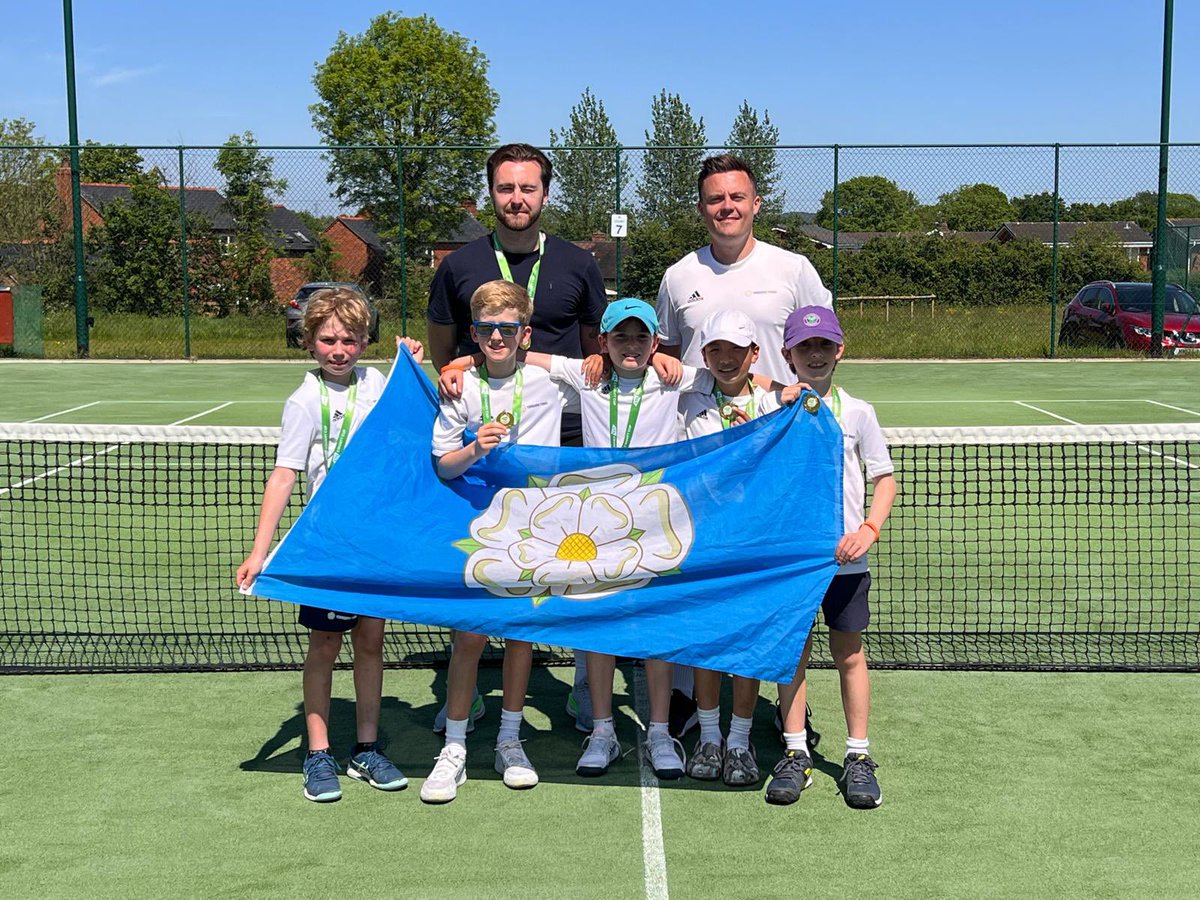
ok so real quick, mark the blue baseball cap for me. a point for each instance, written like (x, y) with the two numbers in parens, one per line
(629, 308)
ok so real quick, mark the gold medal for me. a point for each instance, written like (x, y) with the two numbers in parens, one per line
(812, 403)
(505, 418)
(727, 411)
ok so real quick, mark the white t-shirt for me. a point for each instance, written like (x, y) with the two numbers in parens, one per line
(542, 404)
(767, 285)
(862, 446)
(698, 413)
(658, 415)
(300, 444)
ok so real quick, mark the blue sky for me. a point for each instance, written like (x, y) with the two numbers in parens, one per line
(868, 72)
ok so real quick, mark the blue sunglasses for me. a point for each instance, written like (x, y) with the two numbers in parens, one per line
(507, 329)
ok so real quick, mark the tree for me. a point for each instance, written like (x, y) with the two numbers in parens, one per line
(1142, 208)
(585, 181)
(754, 141)
(975, 207)
(28, 203)
(324, 263)
(870, 203)
(1038, 208)
(652, 247)
(250, 185)
(109, 165)
(405, 81)
(667, 189)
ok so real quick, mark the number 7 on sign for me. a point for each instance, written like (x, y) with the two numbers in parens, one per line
(619, 225)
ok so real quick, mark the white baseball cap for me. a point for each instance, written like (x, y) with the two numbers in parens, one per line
(731, 325)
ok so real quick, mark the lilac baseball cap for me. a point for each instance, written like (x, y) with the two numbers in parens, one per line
(811, 321)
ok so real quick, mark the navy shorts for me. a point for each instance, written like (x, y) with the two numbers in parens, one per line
(326, 619)
(845, 604)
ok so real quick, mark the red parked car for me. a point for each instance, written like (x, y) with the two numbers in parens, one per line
(1117, 314)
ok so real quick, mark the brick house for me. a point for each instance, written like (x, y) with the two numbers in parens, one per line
(361, 253)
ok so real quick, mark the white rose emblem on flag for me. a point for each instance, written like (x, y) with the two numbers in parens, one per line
(580, 535)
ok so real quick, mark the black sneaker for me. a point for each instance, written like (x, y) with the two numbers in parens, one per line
(682, 717)
(859, 784)
(814, 736)
(791, 775)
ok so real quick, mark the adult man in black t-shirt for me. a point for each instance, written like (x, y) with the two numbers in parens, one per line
(568, 304)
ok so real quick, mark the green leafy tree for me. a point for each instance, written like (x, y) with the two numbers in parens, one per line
(109, 165)
(1038, 208)
(29, 210)
(754, 140)
(324, 263)
(975, 207)
(667, 189)
(654, 245)
(1142, 208)
(405, 81)
(585, 181)
(870, 203)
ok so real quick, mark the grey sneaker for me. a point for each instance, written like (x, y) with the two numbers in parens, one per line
(599, 752)
(859, 784)
(477, 712)
(665, 755)
(579, 707)
(321, 778)
(792, 775)
(741, 767)
(514, 765)
(449, 771)
(706, 761)
(376, 770)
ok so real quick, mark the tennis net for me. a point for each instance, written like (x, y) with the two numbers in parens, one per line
(1008, 548)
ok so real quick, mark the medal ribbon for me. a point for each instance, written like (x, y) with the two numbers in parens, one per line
(633, 410)
(836, 403)
(485, 396)
(347, 419)
(506, 272)
(721, 398)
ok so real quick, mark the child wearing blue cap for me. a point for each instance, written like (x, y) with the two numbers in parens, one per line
(812, 346)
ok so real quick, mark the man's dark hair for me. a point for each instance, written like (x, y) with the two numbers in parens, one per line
(519, 153)
(724, 162)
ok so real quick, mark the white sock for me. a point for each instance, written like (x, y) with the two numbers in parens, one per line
(580, 667)
(510, 725)
(657, 728)
(796, 740)
(456, 732)
(855, 746)
(710, 725)
(683, 679)
(739, 733)
(603, 727)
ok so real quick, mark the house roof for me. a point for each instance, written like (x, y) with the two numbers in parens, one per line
(467, 229)
(1129, 233)
(207, 202)
(363, 229)
(847, 240)
(605, 254)
(288, 230)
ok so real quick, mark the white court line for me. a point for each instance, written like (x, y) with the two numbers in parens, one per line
(1053, 400)
(1046, 412)
(62, 412)
(654, 858)
(1190, 412)
(205, 413)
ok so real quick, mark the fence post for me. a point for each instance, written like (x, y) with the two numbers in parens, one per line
(835, 225)
(617, 193)
(183, 262)
(1054, 263)
(403, 243)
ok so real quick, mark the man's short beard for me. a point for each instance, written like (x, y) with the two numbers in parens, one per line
(533, 220)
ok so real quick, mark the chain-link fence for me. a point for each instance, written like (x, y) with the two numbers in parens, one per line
(932, 251)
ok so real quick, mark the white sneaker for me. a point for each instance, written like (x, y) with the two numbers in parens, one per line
(449, 771)
(665, 755)
(599, 752)
(514, 765)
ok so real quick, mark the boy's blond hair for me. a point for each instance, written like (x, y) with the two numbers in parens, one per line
(349, 308)
(496, 296)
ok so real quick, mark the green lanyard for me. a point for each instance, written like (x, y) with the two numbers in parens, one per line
(836, 403)
(508, 419)
(726, 407)
(347, 419)
(633, 410)
(506, 272)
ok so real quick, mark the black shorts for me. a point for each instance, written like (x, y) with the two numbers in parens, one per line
(845, 603)
(318, 619)
(571, 430)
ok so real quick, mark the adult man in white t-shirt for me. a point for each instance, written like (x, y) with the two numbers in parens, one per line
(735, 271)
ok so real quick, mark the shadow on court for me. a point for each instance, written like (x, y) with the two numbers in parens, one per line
(406, 732)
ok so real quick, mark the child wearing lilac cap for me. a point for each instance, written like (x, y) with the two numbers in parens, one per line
(812, 346)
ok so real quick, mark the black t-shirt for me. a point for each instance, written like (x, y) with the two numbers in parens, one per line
(570, 292)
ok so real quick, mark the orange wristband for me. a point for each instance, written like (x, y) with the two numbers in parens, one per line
(873, 527)
(442, 370)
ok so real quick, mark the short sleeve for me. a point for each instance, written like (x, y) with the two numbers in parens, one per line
(768, 401)
(872, 447)
(440, 290)
(812, 291)
(595, 300)
(449, 426)
(296, 437)
(567, 371)
(666, 314)
(696, 381)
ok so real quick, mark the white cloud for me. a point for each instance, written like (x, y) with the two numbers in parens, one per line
(119, 75)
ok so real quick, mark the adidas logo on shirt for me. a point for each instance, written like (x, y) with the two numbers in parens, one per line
(695, 297)
(338, 416)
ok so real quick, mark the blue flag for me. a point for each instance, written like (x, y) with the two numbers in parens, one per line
(714, 552)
